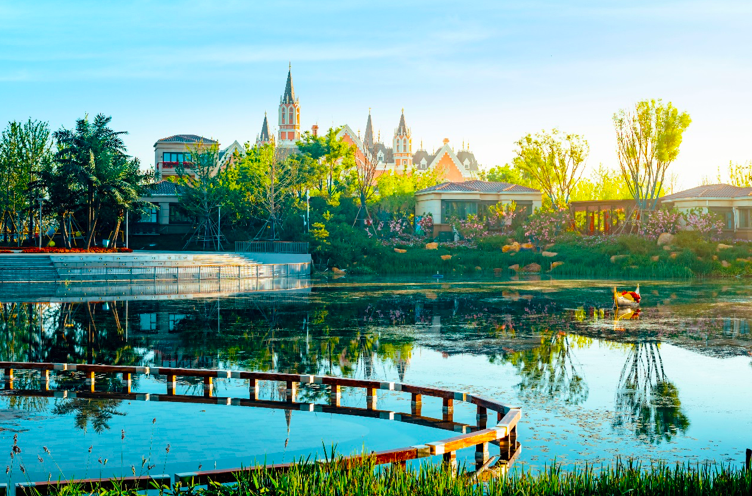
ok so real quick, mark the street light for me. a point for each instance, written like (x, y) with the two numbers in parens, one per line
(40, 222)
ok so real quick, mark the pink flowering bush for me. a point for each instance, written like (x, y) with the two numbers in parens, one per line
(426, 225)
(660, 221)
(470, 228)
(544, 227)
(707, 224)
(502, 216)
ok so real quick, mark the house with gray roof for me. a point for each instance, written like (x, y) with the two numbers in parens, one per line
(732, 203)
(462, 199)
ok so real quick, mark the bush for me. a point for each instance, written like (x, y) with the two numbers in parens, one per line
(659, 222)
(492, 243)
(545, 227)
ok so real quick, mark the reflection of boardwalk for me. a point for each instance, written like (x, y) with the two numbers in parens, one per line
(503, 433)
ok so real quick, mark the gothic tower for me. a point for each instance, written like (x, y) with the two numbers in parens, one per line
(368, 138)
(403, 146)
(266, 136)
(289, 115)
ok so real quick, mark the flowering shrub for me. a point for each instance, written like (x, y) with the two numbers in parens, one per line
(544, 227)
(660, 221)
(426, 225)
(707, 224)
(502, 216)
(94, 249)
(470, 228)
(5, 251)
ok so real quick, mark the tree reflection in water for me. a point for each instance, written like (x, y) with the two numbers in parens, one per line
(551, 369)
(646, 401)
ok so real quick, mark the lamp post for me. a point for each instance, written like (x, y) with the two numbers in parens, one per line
(127, 232)
(308, 210)
(40, 222)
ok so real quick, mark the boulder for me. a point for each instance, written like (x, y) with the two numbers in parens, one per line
(674, 254)
(667, 247)
(665, 239)
(446, 257)
(556, 264)
(514, 247)
(526, 246)
(617, 258)
(655, 258)
(715, 257)
(432, 246)
(721, 246)
(498, 271)
(515, 267)
(533, 267)
(399, 250)
(337, 271)
(725, 263)
(549, 254)
(478, 268)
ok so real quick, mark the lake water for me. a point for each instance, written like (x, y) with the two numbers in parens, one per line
(673, 383)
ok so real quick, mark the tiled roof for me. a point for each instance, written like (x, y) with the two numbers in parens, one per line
(710, 191)
(463, 155)
(186, 138)
(419, 156)
(479, 187)
(163, 188)
(388, 155)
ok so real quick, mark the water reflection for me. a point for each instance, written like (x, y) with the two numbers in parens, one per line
(542, 334)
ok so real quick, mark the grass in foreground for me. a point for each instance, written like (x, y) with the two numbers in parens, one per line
(621, 478)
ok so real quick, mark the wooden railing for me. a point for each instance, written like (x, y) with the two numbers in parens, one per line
(503, 433)
(293, 247)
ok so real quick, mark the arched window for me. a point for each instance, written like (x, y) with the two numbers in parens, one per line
(404, 144)
(284, 114)
(291, 119)
(398, 145)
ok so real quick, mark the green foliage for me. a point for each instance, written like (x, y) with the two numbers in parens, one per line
(493, 242)
(509, 174)
(397, 191)
(602, 184)
(648, 140)
(555, 160)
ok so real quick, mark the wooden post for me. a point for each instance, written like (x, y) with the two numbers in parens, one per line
(171, 384)
(481, 455)
(416, 405)
(91, 380)
(253, 388)
(127, 381)
(46, 380)
(335, 395)
(8, 378)
(450, 461)
(208, 386)
(482, 417)
(371, 398)
(292, 391)
(448, 410)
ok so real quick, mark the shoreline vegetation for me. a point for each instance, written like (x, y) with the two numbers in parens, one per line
(307, 477)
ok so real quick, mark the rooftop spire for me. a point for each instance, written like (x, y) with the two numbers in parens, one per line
(265, 135)
(289, 96)
(402, 128)
(368, 138)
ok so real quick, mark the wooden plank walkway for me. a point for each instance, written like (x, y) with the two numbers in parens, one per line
(503, 433)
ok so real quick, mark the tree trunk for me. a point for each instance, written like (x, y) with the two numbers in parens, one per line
(113, 240)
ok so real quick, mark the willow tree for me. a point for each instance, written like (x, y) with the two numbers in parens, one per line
(554, 160)
(647, 142)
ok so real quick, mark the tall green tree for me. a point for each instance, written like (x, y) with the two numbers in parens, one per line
(25, 149)
(509, 174)
(601, 184)
(396, 192)
(554, 160)
(647, 143)
(95, 157)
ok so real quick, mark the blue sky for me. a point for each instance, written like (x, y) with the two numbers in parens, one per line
(481, 72)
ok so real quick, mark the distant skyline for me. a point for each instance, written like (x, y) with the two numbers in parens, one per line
(485, 73)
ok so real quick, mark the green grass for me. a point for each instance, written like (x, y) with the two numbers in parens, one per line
(430, 479)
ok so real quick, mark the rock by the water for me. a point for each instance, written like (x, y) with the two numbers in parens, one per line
(549, 254)
(533, 267)
(665, 239)
(432, 246)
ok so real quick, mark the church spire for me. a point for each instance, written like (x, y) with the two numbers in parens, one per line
(266, 135)
(368, 138)
(289, 95)
(402, 128)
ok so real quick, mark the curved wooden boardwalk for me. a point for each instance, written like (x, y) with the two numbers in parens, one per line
(502, 433)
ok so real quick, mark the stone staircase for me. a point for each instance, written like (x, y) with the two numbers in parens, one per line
(21, 268)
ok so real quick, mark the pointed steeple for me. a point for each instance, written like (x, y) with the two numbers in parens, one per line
(402, 128)
(289, 95)
(368, 139)
(266, 134)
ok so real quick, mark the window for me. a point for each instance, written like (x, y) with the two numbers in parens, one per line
(457, 208)
(176, 157)
(148, 322)
(291, 119)
(284, 115)
(149, 216)
(727, 216)
(398, 145)
(745, 218)
(173, 320)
